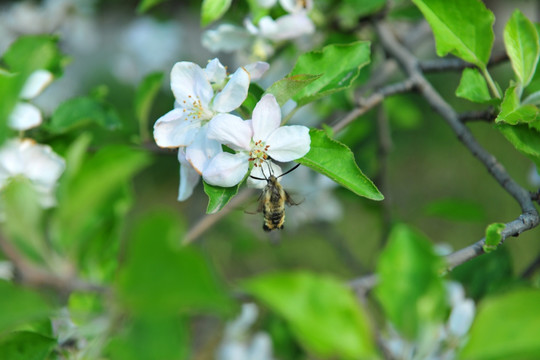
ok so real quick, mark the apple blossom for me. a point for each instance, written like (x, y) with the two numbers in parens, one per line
(25, 115)
(39, 163)
(255, 141)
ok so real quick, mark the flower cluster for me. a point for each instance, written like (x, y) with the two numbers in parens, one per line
(24, 157)
(201, 123)
(268, 31)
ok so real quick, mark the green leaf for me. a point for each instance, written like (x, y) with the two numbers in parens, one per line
(10, 88)
(485, 275)
(82, 111)
(522, 46)
(493, 236)
(24, 215)
(151, 337)
(219, 196)
(26, 345)
(322, 313)
(255, 93)
(212, 10)
(350, 11)
(335, 160)
(146, 93)
(339, 65)
(145, 5)
(158, 278)
(34, 52)
(410, 289)
(473, 87)
(524, 139)
(506, 327)
(84, 196)
(463, 28)
(286, 88)
(19, 306)
(456, 210)
(512, 112)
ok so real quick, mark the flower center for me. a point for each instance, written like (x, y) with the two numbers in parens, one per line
(195, 109)
(258, 153)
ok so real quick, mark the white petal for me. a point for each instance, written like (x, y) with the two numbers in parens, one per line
(289, 143)
(257, 69)
(189, 83)
(173, 130)
(231, 130)
(36, 83)
(202, 150)
(260, 347)
(266, 117)
(227, 38)
(295, 6)
(189, 178)
(232, 350)
(263, 172)
(266, 3)
(461, 318)
(24, 116)
(234, 93)
(215, 71)
(42, 165)
(239, 327)
(226, 169)
(251, 28)
(287, 27)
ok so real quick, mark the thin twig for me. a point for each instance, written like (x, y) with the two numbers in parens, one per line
(449, 64)
(531, 269)
(364, 105)
(529, 218)
(381, 180)
(488, 115)
(207, 221)
(32, 275)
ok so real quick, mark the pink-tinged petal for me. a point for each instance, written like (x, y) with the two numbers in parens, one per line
(189, 177)
(173, 130)
(288, 143)
(231, 130)
(234, 93)
(202, 150)
(263, 172)
(189, 83)
(257, 69)
(36, 83)
(24, 116)
(266, 117)
(226, 169)
(215, 71)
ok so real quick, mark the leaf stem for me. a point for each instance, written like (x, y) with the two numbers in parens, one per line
(491, 83)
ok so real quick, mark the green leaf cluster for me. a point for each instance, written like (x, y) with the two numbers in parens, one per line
(322, 313)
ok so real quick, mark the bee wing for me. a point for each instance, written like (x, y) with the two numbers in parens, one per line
(290, 201)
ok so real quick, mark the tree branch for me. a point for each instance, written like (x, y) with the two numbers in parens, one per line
(449, 64)
(529, 218)
(364, 105)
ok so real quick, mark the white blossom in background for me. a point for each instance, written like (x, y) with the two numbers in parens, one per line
(239, 344)
(200, 95)
(437, 341)
(6, 268)
(255, 141)
(314, 191)
(260, 39)
(26, 115)
(38, 163)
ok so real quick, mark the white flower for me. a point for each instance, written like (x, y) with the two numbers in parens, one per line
(291, 6)
(25, 115)
(196, 104)
(286, 27)
(38, 163)
(255, 141)
(237, 344)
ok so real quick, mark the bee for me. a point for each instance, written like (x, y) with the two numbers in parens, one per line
(272, 201)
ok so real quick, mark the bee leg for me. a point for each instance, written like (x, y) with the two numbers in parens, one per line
(266, 228)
